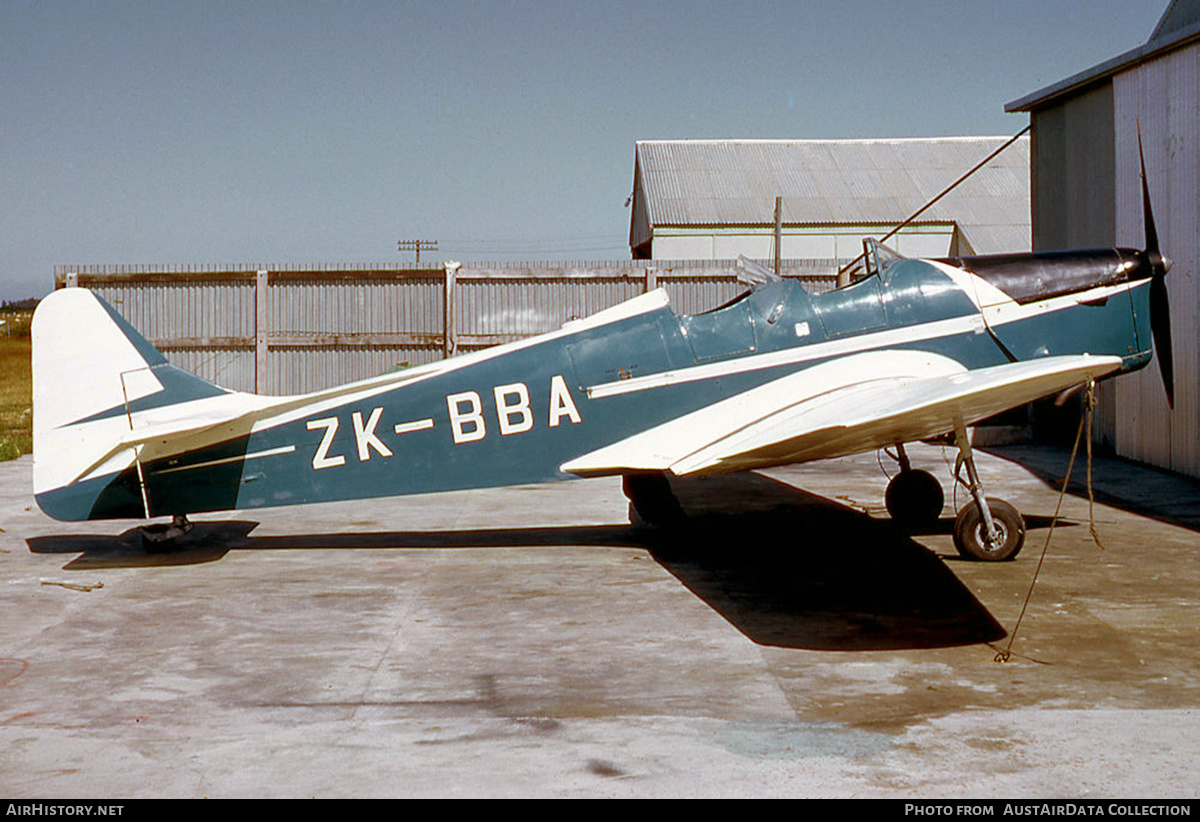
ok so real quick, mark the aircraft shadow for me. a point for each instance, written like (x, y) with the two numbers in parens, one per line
(784, 567)
(807, 572)
(210, 541)
(206, 542)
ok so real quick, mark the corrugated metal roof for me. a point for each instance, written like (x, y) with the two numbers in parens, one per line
(735, 182)
(1179, 26)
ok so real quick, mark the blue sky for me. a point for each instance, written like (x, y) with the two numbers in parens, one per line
(314, 132)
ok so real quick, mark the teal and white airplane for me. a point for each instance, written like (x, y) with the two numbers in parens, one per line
(916, 349)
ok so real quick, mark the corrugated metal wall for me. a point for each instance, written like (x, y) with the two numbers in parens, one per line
(288, 330)
(1161, 96)
(1071, 171)
(1072, 182)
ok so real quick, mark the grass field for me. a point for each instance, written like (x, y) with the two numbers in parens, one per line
(16, 392)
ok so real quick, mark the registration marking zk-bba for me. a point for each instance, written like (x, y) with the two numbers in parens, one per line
(514, 415)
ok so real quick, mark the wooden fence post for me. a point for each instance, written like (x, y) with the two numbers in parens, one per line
(262, 320)
(449, 332)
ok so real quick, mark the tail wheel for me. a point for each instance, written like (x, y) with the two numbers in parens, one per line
(971, 537)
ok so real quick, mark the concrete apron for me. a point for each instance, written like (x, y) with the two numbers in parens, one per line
(528, 642)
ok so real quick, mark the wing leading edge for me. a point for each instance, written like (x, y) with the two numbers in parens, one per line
(849, 406)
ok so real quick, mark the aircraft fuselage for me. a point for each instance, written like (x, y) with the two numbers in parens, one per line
(517, 413)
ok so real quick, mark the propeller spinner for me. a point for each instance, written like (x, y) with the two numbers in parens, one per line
(1160, 309)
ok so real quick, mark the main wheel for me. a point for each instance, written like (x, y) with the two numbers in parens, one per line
(914, 499)
(972, 542)
(651, 498)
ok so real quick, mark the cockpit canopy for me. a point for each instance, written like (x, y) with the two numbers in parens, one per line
(878, 257)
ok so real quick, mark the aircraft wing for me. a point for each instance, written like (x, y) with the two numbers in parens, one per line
(847, 406)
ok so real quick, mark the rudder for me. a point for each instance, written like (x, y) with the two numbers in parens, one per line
(91, 370)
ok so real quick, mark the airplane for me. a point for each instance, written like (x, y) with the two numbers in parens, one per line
(916, 349)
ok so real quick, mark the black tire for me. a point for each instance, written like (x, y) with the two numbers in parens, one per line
(914, 499)
(155, 539)
(651, 498)
(969, 538)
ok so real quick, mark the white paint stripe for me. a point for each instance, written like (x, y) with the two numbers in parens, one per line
(977, 289)
(322, 401)
(270, 452)
(791, 356)
(417, 425)
(1012, 311)
(998, 315)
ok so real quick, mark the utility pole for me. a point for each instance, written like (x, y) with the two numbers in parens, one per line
(417, 246)
(778, 232)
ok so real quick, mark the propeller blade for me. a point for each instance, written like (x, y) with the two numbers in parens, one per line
(1160, 307)
(1147, 210)
(1160, 327)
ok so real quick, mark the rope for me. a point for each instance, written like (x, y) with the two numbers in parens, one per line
(1089, 404)
(1084, 421)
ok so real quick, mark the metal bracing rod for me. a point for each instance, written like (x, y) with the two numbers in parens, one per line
(992, 535)
(939, 196)
(137, 449)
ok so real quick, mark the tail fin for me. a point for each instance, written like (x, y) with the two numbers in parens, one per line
(91, 372)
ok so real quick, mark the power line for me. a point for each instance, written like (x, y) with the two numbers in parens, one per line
(417, 246)
(515, 245)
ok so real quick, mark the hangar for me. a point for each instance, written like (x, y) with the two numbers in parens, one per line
(716, 199)
(1086, 191)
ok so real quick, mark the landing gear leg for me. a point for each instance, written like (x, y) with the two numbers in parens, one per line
(159, 538)
(651, 501)
(913, 498)
(985, 529)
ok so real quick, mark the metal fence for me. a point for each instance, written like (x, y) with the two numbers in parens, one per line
(290, 329)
